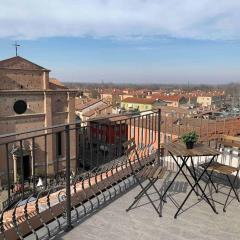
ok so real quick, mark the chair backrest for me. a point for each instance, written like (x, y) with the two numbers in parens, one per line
(230, 141)
(132, 154)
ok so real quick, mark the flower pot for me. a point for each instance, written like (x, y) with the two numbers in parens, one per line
(189, 145)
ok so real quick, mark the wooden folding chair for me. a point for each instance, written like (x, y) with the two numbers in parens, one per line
(225, 170)
(143, 170)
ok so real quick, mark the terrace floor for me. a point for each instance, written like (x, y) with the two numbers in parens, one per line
(197, 221)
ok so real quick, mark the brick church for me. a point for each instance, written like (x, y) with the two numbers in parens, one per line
(29, 99)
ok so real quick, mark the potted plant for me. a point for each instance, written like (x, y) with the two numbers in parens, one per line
(189, 139)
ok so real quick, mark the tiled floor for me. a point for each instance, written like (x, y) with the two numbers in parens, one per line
(197, 222)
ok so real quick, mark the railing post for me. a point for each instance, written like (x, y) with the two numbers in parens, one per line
(8, 175)
(22, 168)
(33, 164)
(77, 127)
(45, 160)
(159, 135)
(68, 184)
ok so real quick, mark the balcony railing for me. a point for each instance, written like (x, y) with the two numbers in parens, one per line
(63, 173)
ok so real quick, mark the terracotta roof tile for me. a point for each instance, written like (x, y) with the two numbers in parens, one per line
(139, 100)
(93, 111)
(56, 84)
(167, 97)
(81, 106)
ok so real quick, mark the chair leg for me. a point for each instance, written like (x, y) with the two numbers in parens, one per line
(160, 207)
(231, 188)
(232, 185)
(210, 191)
(209, 180)
(144, 192)
(159, 194)
(149, 185)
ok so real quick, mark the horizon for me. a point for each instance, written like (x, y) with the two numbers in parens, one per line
(119, 84)
(155, 42)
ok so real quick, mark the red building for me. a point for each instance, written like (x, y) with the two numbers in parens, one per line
(109, 131)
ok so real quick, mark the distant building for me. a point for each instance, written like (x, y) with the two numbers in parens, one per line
(140, 104)
(102, 109)
(209, 100)
(113, 96)
(108, 133)
(168, 111)
(81, 107)
(170, 100)
(109, 129)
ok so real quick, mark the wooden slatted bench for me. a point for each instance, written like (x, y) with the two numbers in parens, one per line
(86, 189)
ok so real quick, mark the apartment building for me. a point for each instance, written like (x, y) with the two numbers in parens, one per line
(140, 104)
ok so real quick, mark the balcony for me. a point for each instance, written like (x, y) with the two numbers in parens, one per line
(197, 222)
(86, 181)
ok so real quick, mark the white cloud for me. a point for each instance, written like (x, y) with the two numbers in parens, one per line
(204, 19)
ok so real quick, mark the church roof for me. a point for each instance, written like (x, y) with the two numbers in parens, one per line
(56, 84)
(19, 63)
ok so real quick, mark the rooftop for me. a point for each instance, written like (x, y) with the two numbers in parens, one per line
(98, 109)
(107, 118)
(165, 97)
(139, 100)
(20, 63)
(56, 84)
(80, 106)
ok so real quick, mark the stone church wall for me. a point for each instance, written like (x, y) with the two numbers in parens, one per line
(20, 79)
(33, 100)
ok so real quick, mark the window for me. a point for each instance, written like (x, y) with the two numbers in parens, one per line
(146, 106)
(59, 144)
(20, 107)
(59, 106)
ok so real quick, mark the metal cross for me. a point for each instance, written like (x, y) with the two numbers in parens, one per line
(16, 47)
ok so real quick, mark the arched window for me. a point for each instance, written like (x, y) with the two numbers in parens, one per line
(59, 106)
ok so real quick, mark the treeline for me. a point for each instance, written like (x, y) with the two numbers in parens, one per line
(231, 88)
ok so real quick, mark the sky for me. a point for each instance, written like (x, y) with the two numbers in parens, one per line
(126, 41)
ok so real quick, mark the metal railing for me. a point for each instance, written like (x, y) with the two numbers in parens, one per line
(52, 172)
(58, 175)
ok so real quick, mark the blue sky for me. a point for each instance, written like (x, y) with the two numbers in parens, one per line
(120, 41)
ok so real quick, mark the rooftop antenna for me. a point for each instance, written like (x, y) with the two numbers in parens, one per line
(16, 45)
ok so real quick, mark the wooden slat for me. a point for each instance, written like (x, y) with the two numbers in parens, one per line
(151, 173)
(157, 172)
(229, 141)
(142, 172)
(149, 169)
(161, 174)
(221, 168)
(179, 149)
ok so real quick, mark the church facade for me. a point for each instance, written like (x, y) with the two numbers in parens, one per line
(30, 100)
